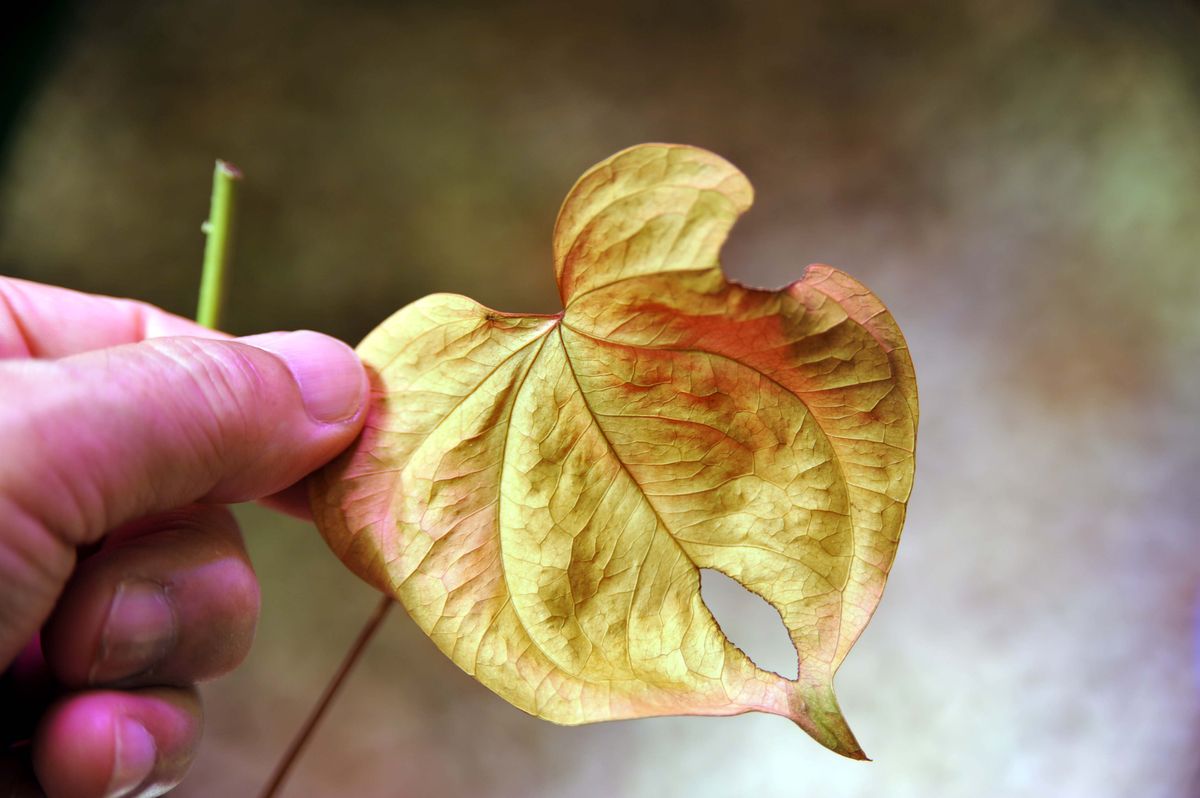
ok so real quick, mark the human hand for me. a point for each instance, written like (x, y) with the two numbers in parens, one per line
(124, 430)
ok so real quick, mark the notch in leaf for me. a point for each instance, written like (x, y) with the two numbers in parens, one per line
(540, 492)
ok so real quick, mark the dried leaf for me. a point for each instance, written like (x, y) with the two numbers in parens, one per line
(540, 491)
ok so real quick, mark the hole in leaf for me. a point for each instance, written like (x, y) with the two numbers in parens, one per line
(750, 622)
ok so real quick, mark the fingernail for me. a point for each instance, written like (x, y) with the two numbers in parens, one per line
(138, 632)
(331, 377)
(134, 754)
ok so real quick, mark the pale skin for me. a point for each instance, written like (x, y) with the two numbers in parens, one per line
(125, 431)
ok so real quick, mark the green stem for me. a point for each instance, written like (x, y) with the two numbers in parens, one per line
(218, 248)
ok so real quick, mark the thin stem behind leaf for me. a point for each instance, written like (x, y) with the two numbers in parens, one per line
(331, 690)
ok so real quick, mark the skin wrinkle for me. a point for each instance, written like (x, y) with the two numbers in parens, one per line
(7, 289)
(43, 554)
(81, 510)
(188, 362)
(212, 381)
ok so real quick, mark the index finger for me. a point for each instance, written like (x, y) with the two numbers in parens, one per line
(43, 321)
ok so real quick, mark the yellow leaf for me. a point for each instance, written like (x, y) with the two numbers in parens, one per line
(540, 491)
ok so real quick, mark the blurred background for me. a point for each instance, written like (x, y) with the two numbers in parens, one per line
(1019, 180)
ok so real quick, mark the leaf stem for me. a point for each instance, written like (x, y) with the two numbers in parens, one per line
(218, 247)
(331, 689)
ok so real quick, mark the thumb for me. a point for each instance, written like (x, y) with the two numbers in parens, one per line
(111, 435)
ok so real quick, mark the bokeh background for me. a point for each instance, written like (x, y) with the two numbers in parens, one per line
(1018, 179)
